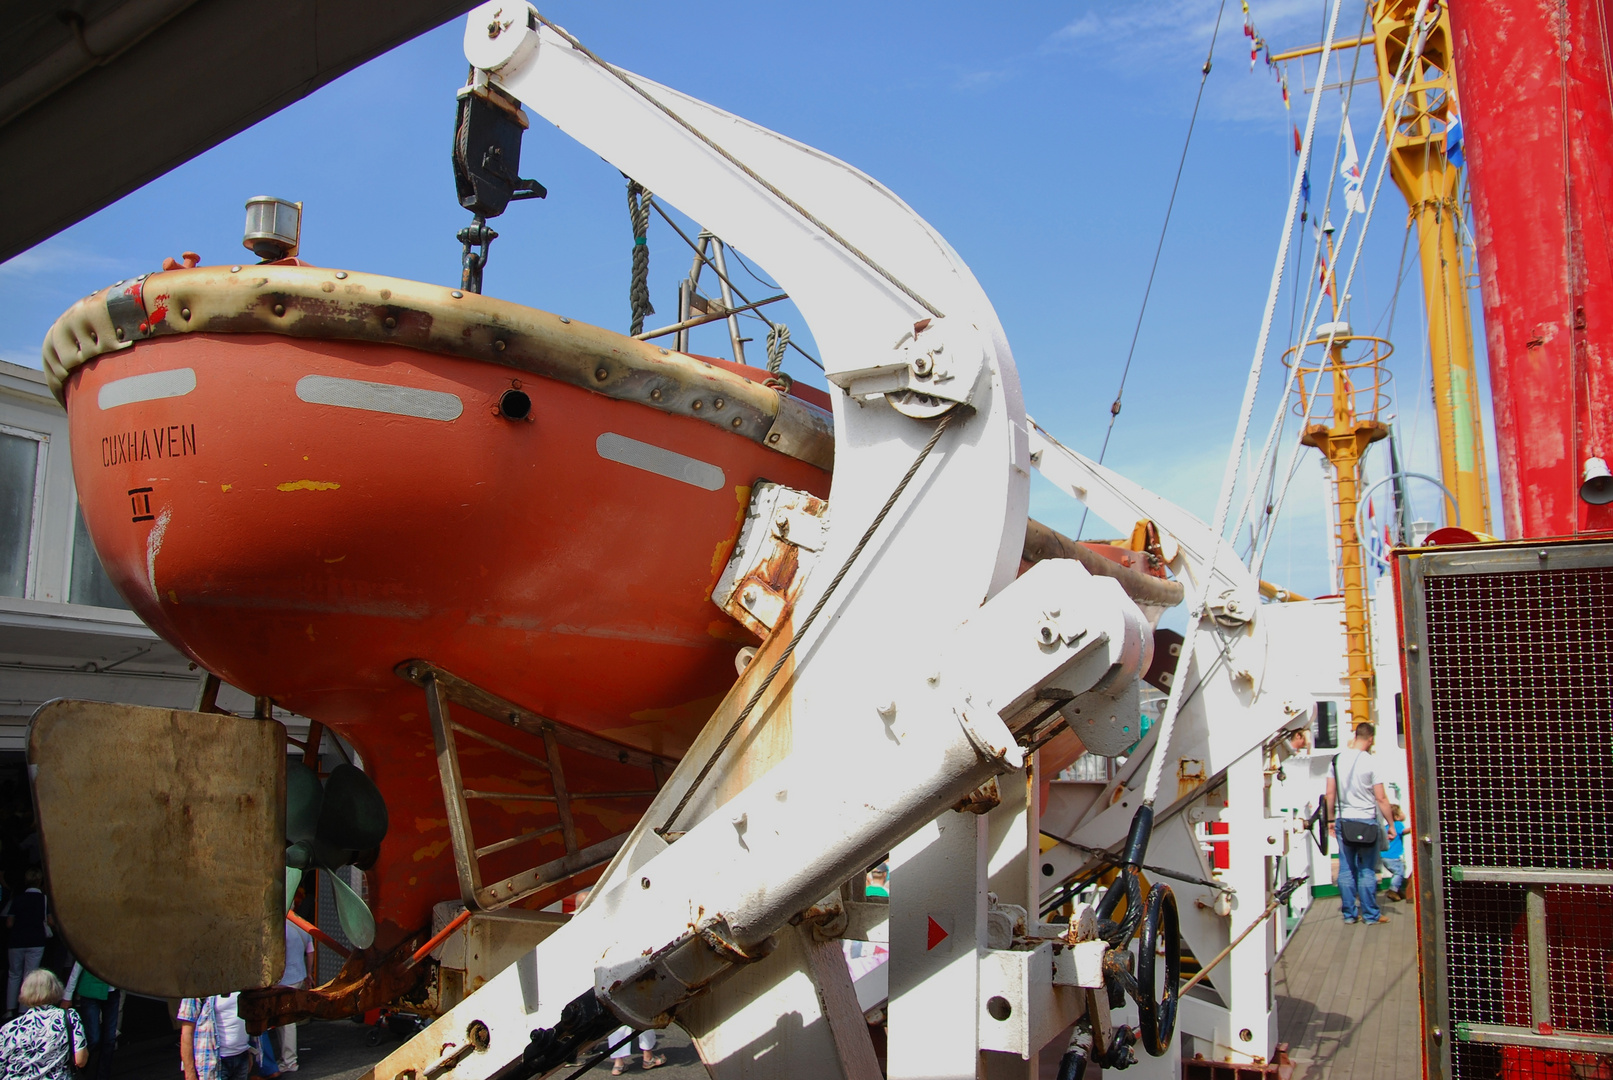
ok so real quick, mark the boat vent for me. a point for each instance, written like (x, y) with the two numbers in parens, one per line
(1509, 655)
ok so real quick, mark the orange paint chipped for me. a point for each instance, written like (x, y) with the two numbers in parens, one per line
(224, 487)
(172, 599)
(337, 559)
(427, 824)
(308, 485)
(430, 851)
(725, 548)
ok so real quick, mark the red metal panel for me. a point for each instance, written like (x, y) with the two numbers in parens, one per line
(1536, 100)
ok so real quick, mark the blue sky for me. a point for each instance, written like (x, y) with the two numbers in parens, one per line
(1041, 141)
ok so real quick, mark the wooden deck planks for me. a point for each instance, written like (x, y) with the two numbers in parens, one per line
(1347, 996)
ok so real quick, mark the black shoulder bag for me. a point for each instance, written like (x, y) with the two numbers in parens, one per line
(1352, 832)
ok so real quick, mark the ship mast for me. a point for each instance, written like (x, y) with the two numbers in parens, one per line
(1341, 394)
(1431, 185)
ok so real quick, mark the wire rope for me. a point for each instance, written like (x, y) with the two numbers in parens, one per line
(1390, 104)
(1170, 205)
(1173, 703)
(822, 227)
(795, 638)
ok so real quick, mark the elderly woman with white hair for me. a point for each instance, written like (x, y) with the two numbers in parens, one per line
(47, 1040)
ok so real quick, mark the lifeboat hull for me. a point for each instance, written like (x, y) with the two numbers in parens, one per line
(302, 540)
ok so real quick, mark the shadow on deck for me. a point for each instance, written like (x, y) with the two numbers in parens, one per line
(1347, 996)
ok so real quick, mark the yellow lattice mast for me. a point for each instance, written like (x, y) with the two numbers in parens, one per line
(1430, 184)
(1342, 394)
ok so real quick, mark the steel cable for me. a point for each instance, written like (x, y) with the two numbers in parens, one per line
(795, 638)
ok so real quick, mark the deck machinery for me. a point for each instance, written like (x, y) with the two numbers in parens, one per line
(910, 673)
(897, 704)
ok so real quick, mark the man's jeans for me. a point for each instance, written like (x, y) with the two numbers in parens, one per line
(1358, 879)
(22, 962)
(1397, 874)
(235, 1067)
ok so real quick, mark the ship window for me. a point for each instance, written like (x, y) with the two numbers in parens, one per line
(1400, 722)
(22, 477)
(1327, 725)
(91, 584)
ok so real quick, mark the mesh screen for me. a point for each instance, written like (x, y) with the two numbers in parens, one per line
(1521, 668)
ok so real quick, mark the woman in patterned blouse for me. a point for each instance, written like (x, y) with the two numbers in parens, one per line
(47, 1040)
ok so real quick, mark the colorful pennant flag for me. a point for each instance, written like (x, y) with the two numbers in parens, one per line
(1350, 170)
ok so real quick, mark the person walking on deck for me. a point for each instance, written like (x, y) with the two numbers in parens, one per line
(1355, 798)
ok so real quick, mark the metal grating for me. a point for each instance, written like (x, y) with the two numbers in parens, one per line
(1521, 672)
(1517, 714)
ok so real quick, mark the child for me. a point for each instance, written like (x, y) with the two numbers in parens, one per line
(1394, 856)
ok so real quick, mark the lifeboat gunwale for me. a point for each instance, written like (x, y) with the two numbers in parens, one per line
(317, 302)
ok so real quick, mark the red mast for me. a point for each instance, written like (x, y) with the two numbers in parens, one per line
(1536, 104)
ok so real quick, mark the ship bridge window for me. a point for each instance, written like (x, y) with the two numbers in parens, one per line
(1327, 725)
(22, 482)
(90, 583)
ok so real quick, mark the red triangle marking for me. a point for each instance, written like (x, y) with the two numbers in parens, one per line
(936, 934)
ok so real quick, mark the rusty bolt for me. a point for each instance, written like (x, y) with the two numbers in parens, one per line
(118, 330)
(923, 366)
(783, 524)
(564, 319)
(773, 438)
(498, 346)
(644, 883)
(601, 374)
(280, 309)
(719, 404)
(389, 322)
(655, 395)
(697, 405)
(341, 275)
(96, 339)
(736, 423)
(235, 269)
(184, 313)
(457, 295)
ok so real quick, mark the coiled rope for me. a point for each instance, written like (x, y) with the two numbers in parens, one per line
(778, 339)
(638, 291)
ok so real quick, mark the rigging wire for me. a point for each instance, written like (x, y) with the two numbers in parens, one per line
(1173, 704)
(1390, 105)
(704, 258)
(1170, 205)
(806, 624)
(758, 278)
(1326, 282)
(756, 177)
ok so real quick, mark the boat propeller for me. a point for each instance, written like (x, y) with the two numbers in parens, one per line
(340, 823)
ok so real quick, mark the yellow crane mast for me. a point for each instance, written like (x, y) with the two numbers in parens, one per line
(1431, 185)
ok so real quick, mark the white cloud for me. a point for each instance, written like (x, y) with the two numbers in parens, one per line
(55, 257)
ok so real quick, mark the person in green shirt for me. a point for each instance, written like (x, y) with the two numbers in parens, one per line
(878, 883)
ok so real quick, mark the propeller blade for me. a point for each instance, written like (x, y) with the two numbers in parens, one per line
(353, 815)
(357, 922)
(293, 879)
(303, 802)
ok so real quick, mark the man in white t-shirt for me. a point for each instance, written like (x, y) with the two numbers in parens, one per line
(1355, 795)
(234, 1048)
(300, 965)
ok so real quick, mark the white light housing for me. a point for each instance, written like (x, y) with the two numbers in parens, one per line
(1596, 486)
(273, 227)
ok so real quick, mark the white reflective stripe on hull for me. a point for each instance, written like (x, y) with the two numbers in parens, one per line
(658, 460)
(147, 387)
(379, 397)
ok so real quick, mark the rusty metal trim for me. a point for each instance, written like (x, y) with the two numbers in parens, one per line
(320, 303)
(462, 692)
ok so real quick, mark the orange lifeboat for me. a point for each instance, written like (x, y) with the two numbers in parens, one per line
(307, 478)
